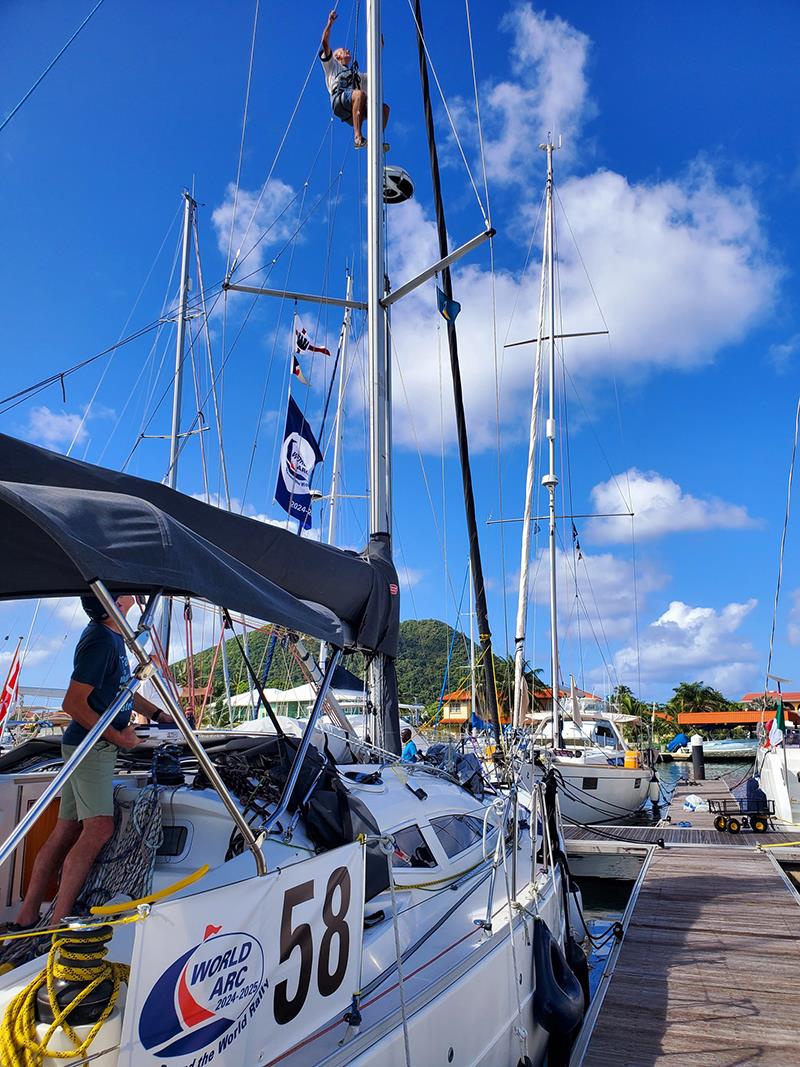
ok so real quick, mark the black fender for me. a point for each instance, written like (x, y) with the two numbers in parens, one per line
(558, 998)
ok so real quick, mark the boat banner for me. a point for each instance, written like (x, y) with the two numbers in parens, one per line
(241, 973)
(299, 455)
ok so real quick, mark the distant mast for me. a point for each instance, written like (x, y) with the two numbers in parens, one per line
(550, 481)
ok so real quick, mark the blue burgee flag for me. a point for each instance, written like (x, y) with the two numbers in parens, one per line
(449, 309)
(299, 455)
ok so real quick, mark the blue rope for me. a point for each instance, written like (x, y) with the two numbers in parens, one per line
(450, 652)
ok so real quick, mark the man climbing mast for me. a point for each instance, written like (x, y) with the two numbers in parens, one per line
(347, 86)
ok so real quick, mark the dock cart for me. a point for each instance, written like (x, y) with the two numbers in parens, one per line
(733, 814)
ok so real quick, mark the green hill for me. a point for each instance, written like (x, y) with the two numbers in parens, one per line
(422, 657)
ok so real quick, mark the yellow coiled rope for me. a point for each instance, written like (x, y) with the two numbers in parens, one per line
(19, 1044)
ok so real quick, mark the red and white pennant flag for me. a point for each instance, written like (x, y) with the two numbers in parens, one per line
(8, 697)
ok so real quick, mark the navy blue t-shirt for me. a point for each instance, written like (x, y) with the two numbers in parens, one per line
(101, 662)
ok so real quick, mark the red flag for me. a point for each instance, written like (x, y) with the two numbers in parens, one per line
(304, 344)
(11, 689)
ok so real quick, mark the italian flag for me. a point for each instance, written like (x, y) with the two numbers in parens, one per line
(776, 727)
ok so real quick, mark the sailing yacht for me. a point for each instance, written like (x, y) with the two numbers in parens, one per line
(598, 781)
(287, 909)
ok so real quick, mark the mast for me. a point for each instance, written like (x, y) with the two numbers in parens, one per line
(381, 672)
(481, 609)
(471, 649)
(189, 206)
(180, 341)
(550, 481)
(527, 521)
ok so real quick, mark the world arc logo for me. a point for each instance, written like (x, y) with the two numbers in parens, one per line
(203, 993)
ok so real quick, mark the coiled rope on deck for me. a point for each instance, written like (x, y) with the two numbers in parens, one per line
(19, 1044)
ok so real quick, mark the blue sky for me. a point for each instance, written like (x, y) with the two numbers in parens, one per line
(679, 178)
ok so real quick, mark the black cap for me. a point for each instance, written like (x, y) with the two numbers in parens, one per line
(93, 608)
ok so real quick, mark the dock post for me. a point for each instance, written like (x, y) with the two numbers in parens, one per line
(698, 760)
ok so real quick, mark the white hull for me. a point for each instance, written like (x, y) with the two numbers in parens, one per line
(455, 962)
(595, 793)
(772, 766)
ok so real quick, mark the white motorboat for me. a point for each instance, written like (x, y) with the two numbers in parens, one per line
(729, 748)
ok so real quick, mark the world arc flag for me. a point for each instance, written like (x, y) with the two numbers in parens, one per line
(299, 455)
(297, 370)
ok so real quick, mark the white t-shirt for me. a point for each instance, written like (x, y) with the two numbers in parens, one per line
(331, 68)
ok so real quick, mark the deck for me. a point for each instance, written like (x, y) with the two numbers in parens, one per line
(708, 966)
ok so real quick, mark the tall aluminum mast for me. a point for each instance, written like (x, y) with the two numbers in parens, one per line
(550, 481)
(380, 459)
(189, 206)
(527, 520)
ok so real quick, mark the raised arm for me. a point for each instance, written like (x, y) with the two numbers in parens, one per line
(325, 43)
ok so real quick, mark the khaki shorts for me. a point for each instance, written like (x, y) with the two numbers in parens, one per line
(90, 790)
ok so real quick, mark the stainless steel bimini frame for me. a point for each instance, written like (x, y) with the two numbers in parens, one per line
(145, 668)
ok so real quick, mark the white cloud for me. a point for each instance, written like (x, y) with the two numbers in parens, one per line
(547, 91)
(660, 507)
(408, 576)
(605, 604)
(782, 355)
(678, 267)
(260, 223)
(62, 430)
(54, 429)
(688, 643)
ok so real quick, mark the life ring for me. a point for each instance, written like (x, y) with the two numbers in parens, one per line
(558, 999)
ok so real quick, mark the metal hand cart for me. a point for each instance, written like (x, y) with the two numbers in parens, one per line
(733, 815)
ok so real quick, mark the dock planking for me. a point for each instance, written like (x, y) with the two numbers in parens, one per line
(712, 935)
(700, 832)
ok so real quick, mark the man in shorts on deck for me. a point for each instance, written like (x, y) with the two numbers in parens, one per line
(86, 813)
(347, 86)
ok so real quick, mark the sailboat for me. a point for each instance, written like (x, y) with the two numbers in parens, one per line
(597, 782)
(287, 909)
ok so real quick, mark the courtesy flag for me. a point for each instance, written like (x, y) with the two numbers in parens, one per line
(299, 455)
(10, 693)
(303, 342)
(297, 370)
(777, 725)
(575, 706)
(448, 309)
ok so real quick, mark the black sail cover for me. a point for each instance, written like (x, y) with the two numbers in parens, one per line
(64, 522)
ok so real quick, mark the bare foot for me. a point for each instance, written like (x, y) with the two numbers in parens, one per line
(359, 141)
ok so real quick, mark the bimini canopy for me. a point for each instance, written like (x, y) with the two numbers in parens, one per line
(54, 541)
(360, 590)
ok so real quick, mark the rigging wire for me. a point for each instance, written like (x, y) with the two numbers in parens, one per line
(242, 139)
(298, 101)
(47, 69)
(782, 549)
(457, 139)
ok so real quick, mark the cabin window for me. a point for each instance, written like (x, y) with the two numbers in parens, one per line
(174, 841)
(604, 735)
(457, 832)
(411, 849)
(590, 783)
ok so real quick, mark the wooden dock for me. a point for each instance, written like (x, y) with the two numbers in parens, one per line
(709, 966)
